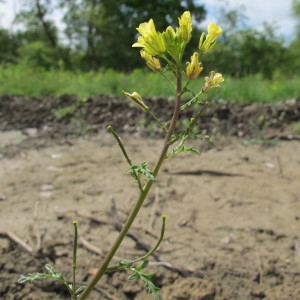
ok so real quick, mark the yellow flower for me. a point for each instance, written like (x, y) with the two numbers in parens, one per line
(185, 25)
(194, 68)
(150, 39)
(213, 31)
(147, 29)
(137, 99)
(152, 62)
(169, 37)
(213, 80)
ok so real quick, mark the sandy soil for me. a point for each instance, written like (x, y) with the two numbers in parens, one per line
(233, 216)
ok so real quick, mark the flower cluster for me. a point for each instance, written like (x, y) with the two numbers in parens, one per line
(169, 46)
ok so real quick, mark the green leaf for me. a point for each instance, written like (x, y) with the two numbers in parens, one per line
(80, 289)
(190, 150)
(143, 265)
(137, 170)
(34, 277)
(137, 274)
(125, 265)
(53, 274)
(182, 149)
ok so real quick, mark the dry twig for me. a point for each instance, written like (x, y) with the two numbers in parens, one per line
(11, 236)
(90, 247)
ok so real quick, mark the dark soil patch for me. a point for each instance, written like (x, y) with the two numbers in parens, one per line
(71, 116)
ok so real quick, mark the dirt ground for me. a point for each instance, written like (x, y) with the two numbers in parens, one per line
(233, 213)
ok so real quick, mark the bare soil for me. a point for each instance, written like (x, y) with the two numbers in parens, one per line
(233, 213)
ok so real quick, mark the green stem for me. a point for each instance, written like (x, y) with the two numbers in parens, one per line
(158, 242)
(125, 154)
(184, 106)
(162, 126)
(74, 258)
(167, 78)
(143, 194)
(162, 232)
(199, 114)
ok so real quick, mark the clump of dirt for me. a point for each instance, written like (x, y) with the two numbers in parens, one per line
(232, 213)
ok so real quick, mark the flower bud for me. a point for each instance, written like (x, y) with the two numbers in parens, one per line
(185, 25)
(213, 31)
(194, 68)
(152, 62)
(137, 99)
(213, 80)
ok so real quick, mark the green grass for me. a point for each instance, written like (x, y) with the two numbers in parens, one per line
(20, 80)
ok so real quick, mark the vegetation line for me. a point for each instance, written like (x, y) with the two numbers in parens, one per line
(20, 80)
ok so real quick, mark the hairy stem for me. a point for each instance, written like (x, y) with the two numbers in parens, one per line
(143, 193)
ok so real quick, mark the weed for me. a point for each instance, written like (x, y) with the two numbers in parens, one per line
(163, 53)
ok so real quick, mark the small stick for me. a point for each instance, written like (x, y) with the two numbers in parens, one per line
(90, 247)
(105, 293)
(17, 240)
(147, 231)
(169, 266)
(93, 219)
(37, 227)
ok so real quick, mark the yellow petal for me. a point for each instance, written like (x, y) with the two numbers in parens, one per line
(194, 68)
(185, 25)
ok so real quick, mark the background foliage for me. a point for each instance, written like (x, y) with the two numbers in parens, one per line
(98, 34)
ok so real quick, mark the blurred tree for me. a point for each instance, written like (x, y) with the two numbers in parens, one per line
(250, 52)
(39, 43)
(100, 34)
(244, 52)
(35, 16)
(9, 44)
(296, 8)
(293, 65)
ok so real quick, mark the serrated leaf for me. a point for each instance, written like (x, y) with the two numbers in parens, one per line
(50, 269)
(152, 289)
(135, 275)
(41, 276)
(143, 265)
(34, 277)
(182, 149)
(54, 272)
(190, 150)
(125, 265)
(80, 289)
(141, 170)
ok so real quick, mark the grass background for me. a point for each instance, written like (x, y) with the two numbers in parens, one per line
(21, 80)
